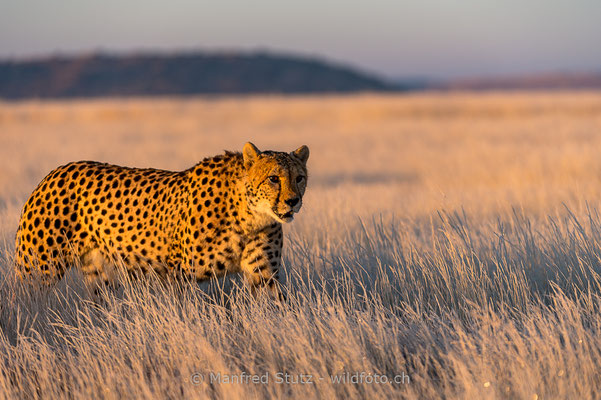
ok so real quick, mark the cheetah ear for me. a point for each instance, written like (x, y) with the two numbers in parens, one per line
(250, 153)
(301, 153)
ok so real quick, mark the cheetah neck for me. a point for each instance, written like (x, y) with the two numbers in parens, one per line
(230, 167)
(251, 221)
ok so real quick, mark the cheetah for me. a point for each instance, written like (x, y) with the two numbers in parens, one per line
(223, 215)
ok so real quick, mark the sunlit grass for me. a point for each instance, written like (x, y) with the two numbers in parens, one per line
(452, 239)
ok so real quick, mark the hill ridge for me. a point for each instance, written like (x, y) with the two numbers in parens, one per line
(184, 73)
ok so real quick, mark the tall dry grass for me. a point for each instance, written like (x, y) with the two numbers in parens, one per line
(449, 240)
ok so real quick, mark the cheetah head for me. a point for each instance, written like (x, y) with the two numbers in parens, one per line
(276, 181)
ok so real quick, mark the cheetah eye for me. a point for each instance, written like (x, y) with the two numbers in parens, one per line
(300, 178)
(274, 179)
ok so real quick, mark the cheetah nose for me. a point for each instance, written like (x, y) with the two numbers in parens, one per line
(292, 202)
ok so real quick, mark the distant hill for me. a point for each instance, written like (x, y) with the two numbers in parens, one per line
(542, 81)
(178, 74)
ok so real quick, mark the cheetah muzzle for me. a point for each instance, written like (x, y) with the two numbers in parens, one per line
(223, 215)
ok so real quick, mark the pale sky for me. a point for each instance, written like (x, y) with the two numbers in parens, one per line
(427, 38)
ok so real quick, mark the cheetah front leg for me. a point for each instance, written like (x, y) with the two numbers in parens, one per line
(261, 261)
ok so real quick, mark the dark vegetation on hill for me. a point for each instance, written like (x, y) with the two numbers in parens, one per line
(178, 74)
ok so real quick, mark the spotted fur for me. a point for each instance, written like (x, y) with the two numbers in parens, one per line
(225, 214)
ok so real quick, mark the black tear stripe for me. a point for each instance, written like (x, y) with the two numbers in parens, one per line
(277, 199)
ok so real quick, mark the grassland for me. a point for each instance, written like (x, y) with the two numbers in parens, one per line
(453, 240)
